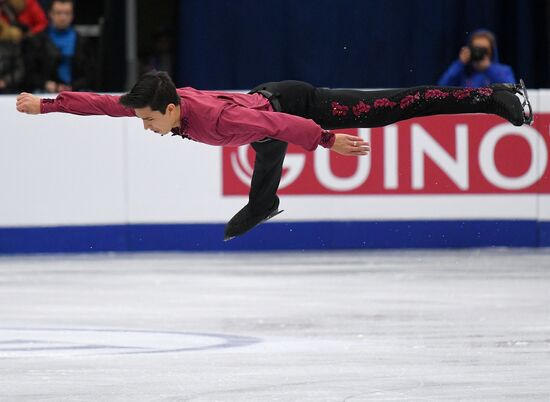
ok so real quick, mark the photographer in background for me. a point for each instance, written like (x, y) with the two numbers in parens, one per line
(477, 64)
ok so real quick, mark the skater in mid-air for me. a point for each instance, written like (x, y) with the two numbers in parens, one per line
(277, 113)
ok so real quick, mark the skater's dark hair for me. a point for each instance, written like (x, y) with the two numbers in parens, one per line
(154, 89)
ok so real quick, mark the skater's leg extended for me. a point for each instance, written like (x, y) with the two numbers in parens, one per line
(345, 108)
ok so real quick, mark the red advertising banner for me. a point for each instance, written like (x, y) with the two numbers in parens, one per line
(472, 154)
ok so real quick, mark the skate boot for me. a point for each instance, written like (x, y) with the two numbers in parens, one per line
(508, 107)
(245, 220)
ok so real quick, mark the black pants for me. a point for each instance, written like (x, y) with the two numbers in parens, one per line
(346, 108)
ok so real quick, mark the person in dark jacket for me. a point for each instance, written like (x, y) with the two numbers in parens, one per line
(478, 64)
(58, 59)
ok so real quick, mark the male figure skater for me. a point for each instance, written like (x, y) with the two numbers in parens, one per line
(275, 114)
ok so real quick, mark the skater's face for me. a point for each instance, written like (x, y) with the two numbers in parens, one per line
(160, 123)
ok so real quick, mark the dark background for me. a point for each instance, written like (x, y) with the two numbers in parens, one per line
(236, 44)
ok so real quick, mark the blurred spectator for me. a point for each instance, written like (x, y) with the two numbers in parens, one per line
(11, 35)
(477, 64)
(59, 59)
(11, 61)
(26, 15)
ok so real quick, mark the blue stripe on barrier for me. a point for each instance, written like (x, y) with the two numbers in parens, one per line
(277, 236)
(544, 234)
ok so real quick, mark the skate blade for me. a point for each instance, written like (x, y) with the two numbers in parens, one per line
(272, 215)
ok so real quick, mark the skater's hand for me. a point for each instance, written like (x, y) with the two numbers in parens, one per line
(350, 145)
(28, 103)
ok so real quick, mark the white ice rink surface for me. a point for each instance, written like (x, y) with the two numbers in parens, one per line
(338, 326)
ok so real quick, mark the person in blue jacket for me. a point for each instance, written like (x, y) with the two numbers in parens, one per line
(477, 64)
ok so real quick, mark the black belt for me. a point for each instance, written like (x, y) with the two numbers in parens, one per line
(272, 98)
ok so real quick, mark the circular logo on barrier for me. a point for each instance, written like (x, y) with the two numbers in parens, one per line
(293, 166)
(26, 342)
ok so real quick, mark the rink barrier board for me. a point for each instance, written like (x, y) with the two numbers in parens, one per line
(98, 184)
(277, 236)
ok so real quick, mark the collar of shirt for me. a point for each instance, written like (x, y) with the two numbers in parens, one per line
(184, 124)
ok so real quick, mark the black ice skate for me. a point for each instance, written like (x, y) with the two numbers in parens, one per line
(245, 220)
(526, 109)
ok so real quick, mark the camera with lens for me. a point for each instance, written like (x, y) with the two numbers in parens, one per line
(478, 53)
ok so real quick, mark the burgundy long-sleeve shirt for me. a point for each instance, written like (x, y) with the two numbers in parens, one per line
(210, 117)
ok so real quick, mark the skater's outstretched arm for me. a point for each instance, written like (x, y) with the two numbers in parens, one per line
(80, 103)
(233, 121)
